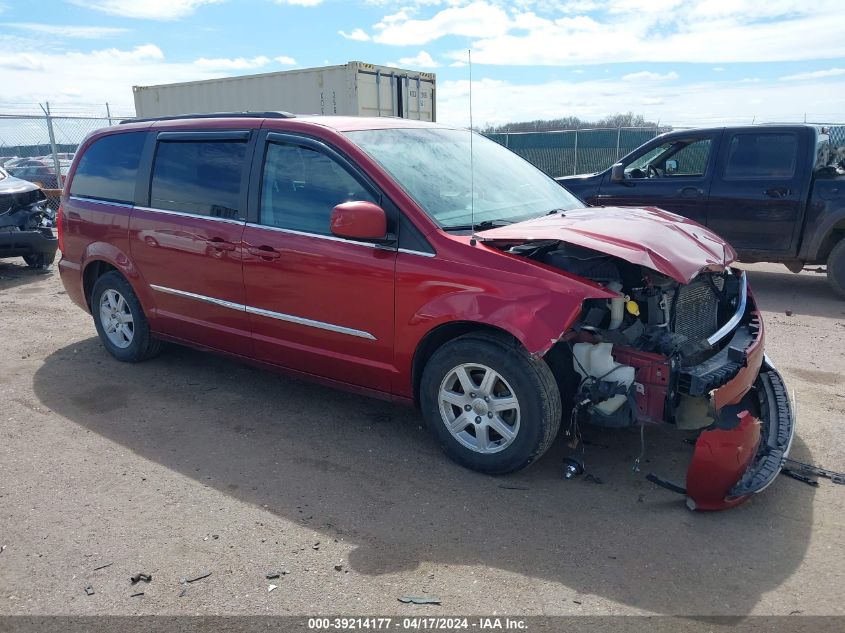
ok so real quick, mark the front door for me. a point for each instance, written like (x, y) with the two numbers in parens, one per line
(186, 241)
(756, 200)
(673, 175)
(318, 303)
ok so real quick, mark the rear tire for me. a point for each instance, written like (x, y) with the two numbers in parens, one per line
(120, 320)
(39, 261)
(502, 405)
(836, 268)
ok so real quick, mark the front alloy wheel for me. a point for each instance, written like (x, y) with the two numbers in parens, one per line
(493, 406)
(479, 408)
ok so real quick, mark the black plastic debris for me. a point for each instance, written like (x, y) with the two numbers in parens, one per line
(103, 566)
(418, 600)
(89, 590)
(338, 567)
(572, 468)
(141, 578)
(199, 576)
(272, 575)
(135, 595)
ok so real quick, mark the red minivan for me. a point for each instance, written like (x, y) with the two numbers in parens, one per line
(380, 255)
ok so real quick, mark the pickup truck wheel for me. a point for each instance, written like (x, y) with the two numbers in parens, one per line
(836, 268)
(120, 320)
(39, 261)
(494, 408)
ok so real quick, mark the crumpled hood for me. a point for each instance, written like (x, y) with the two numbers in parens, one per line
(10, 184)
(650, 237)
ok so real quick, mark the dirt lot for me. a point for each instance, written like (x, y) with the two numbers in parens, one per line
(193, 463)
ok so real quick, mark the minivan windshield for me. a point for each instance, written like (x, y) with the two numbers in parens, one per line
(433, 166)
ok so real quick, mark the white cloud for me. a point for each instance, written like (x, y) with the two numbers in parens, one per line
(547, 32)
(357, 35)
(420, 60)
(699, 103)
(646, 75)
(285, 60)
(62, 30)
(237, 63)
(478, 19)
(145, 9)
(815, 74)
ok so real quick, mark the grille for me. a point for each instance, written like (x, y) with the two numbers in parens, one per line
(697, 308)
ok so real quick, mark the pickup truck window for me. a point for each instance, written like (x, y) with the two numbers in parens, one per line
(762, 155)
(679, 158)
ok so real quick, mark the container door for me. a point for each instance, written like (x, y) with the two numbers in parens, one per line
(187, 242)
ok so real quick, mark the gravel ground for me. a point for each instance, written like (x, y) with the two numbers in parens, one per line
(193, 463)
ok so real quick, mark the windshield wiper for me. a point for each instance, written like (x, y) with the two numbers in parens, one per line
(484, 224)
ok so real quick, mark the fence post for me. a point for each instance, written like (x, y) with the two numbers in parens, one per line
(108, 113)
(618, 137)
(56, 163)
(575, 166)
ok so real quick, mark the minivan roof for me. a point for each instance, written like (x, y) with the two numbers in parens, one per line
(337, 123)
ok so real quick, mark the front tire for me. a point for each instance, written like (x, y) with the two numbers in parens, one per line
(39, 261)
(120, 320)
(836, 268)
(494, 408)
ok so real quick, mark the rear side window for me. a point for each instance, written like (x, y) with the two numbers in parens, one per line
(200, 177)
(762, 155)
(109, 167)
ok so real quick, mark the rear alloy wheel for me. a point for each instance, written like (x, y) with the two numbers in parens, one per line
(493, 407)
(120, 320)
(836, 268)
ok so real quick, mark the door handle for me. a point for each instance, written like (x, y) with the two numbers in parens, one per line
(691, 192)
(266, 253)
(220, 244)
(778, 192)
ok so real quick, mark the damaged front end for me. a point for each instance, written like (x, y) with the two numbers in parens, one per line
(681, 349)
(25, 221)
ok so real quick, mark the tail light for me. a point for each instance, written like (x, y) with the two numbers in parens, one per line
(60, 228)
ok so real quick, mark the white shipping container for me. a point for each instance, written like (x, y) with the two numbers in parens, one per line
(355, 88)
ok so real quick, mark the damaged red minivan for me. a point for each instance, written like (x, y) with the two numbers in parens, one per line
(373, 254)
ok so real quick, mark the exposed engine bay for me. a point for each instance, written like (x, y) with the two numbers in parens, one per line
(25, 211)
(655, 352)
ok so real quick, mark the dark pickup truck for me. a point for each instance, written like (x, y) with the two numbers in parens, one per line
(775, 192)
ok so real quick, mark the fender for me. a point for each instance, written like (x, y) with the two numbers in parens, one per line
(825, 211)
(534, 303)
(110, 254)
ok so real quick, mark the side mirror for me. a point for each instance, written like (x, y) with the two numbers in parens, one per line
(671, 166)
(359, 220)
(617, 173)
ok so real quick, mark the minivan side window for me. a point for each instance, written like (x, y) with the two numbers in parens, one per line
(762, 155)
(300, 187)
(108, 168)
(199, 177)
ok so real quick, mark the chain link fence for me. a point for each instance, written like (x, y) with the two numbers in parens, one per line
(575, 151)
(40, 148)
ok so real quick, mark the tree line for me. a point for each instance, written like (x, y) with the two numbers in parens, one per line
(571, 123)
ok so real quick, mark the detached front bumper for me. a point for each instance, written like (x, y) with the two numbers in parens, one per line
(20, 243)
(744, 451)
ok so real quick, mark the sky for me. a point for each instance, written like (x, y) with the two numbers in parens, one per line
(679, 62)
